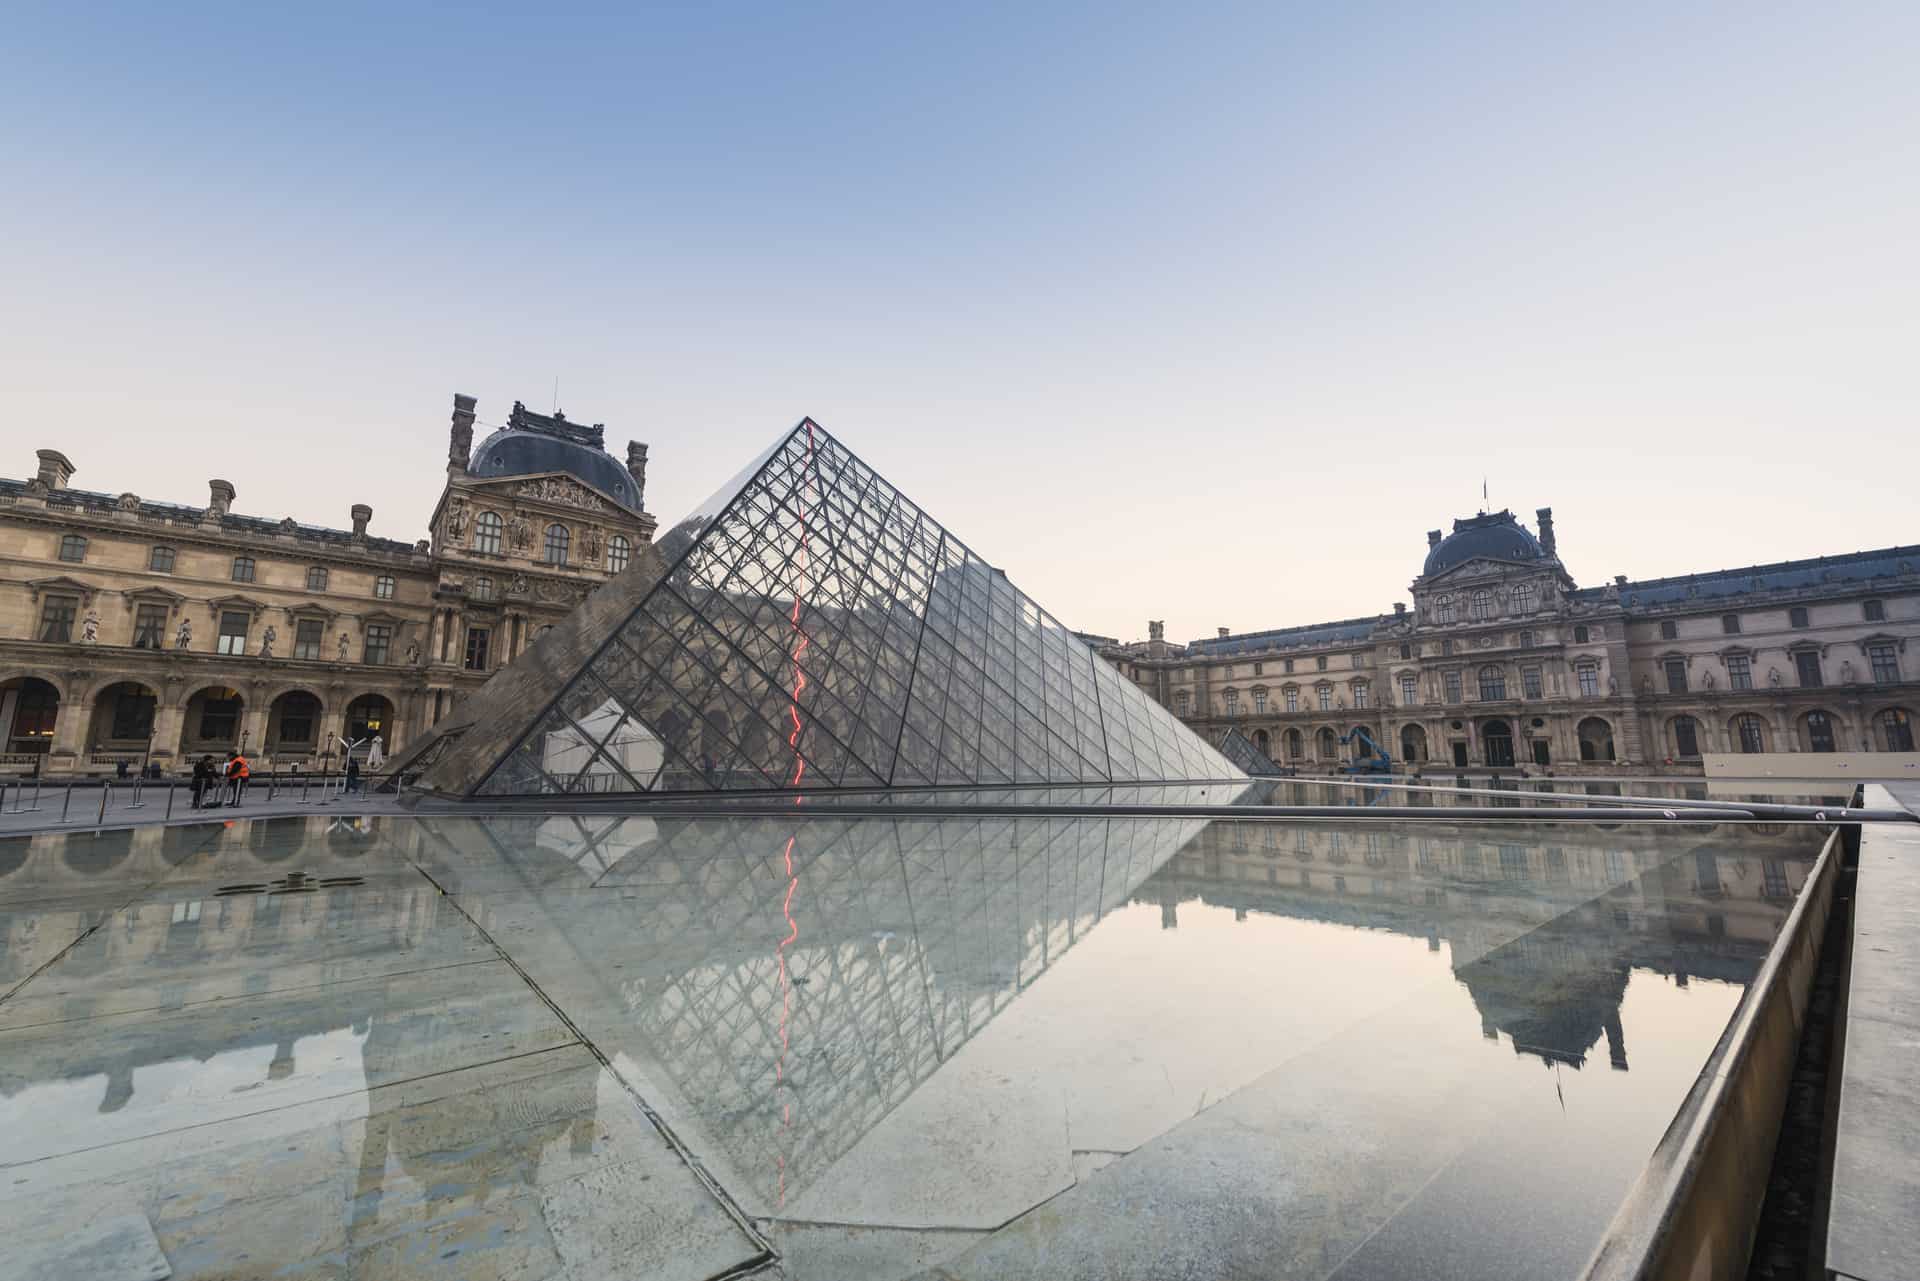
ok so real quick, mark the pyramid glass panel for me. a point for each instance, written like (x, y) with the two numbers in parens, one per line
(810, 627)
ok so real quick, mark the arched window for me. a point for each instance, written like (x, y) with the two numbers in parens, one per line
(1326, 746)
(619, 552)
(1686, 737)
(1523, 599)
(1596, 739)
(1818, 732)
(1749, 733)
(1443, 608)
(1493, 683)
(317, 579)
(486, 533)
(1413, 744)
(1480, 604)
(558, 540)
(1896, 730)
(383, 587)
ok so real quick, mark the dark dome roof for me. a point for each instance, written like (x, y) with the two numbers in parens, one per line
(1497, 536)
(510, 452)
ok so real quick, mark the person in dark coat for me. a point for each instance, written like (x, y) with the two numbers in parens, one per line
(202, 779)
(353, 774)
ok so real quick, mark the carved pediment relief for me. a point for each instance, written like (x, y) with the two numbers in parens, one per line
(246, 603)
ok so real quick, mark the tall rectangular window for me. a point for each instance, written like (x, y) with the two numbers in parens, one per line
(309, 634)
(1293, 700)
(1730, 624)
(1409, 691)
(150, 627)
(1326, 698)
(1361, 693)
(73, 548)
(1739, 671)
(243, 569)
(379, 642)
(1797, 616)
(1807, 664)
(1452, 680)
(56, 618)
(1259, 669)
(1320, 664)
(477, 639)
(160, 560)
(233, 632)
(1530, 684)
(1874, 611)
(1260, 702)
(1589, 680)
(1886, 665)
(1286, 665)
(1669, 630)
(1676, 675)
(1233, 702)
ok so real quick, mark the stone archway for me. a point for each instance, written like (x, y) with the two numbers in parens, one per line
(368, 715)
(1413, 744)
(123, 718)
(293, 724)
(211, 723)
(1596, 740)
(29, 712)
(1496, 743)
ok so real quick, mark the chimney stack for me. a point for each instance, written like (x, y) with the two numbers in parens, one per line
(1223, 633)
(55, 468)
(361, 515)
(637, 468)
(460, 439)
(1399, 607)
(1433, 538)
(1156, 630)
(1619, 580)
(1546, 529)
(219, 497)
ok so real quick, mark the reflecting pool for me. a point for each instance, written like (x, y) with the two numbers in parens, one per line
(847, 1046)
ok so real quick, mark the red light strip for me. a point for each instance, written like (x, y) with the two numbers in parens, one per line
(793, 881)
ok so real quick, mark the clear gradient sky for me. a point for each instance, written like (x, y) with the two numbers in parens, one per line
(1203, 312)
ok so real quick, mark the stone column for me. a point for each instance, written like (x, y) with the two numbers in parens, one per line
(168, 720)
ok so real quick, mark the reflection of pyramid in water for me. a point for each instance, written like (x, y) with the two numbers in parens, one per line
(809, 627)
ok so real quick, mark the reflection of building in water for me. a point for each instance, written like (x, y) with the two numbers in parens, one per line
(907, 938)
(303, 959)
(1543, 928)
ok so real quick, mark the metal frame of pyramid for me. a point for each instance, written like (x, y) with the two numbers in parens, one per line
(809, 627)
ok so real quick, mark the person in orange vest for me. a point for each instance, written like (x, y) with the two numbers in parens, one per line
(237, 774)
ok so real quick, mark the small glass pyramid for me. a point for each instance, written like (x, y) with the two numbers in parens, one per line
(814, 629)
(1248, 755)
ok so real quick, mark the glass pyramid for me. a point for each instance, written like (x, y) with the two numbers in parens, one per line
(1247, 755)
(814, 629)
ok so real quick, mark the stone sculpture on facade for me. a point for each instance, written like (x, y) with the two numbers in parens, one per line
(456, 521)
(343, 647)
(590, 544)
(183, 634)
(519, 532)
(267, 639)
(90, 629)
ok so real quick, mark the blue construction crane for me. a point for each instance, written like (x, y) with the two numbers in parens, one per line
(1376, 761)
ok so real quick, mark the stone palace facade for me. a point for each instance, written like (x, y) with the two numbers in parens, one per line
(1504, 663)
(133, 630)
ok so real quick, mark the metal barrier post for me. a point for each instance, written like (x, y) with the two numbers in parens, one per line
(16, 799)
(304, 780)
(66, 804)
(136, 803)
(35, 807)
(106, 789)
(273, 783)
(170, 789)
